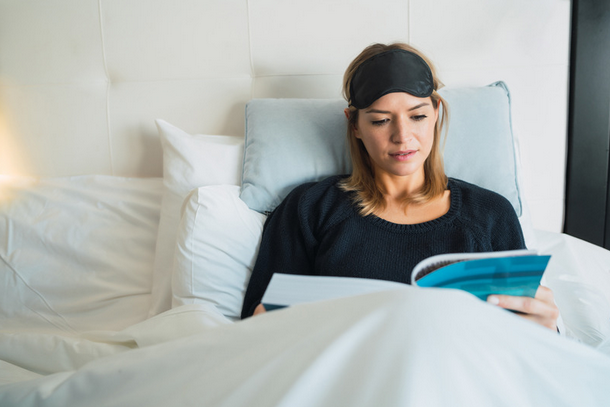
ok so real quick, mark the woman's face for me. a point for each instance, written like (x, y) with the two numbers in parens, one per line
(397, 131)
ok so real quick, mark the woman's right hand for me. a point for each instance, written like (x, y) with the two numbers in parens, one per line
(540, 309)
(259, 309)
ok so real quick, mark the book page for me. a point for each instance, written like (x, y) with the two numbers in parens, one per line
(289, 289)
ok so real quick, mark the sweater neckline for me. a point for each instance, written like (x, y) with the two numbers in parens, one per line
(454, 208)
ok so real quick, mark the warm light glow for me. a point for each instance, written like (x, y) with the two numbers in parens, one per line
(12, 161)
(12, 157)
(10, 186)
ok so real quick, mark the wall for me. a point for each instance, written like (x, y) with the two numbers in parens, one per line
(81, 81)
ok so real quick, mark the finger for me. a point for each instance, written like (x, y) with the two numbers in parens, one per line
(535, 310)
(545, 294)
(526, 305)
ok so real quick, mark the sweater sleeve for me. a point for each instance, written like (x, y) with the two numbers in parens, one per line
(489, 216)
(287, 246)
(506, 233)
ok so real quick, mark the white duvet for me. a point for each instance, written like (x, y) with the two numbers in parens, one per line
(76, 253)
(405, 347)
(75, 272)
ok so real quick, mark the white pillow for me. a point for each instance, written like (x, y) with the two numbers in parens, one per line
(189, 161)
(76, 253)
(216, 248)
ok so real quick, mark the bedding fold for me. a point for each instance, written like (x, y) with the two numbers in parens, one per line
(45, 354)
(579, 275)
(405, 347)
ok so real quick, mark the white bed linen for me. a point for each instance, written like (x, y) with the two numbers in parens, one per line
(579, 275)
(73, 328)
(46, 353)
(76, 253)
(404, 347)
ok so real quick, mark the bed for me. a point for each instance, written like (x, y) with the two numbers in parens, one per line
(139, 159)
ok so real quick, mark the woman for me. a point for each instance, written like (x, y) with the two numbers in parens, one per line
(398, 206)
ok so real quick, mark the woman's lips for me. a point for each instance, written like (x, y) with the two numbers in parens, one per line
(403, 155)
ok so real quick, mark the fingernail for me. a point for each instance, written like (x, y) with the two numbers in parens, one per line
(492, 299)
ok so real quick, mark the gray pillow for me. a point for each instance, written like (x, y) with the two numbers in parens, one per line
(292, 141)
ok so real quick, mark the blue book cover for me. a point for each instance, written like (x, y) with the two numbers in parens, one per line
(512, 273)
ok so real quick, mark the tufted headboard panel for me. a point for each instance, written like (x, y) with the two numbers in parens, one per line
(81, 81)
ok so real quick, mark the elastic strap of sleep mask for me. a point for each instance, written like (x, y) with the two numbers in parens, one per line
(397, 70)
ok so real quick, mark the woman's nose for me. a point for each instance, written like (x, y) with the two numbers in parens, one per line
(401, 132)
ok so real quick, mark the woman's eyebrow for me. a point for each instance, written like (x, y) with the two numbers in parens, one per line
(418, 106)
(377, 111)
(387, 112)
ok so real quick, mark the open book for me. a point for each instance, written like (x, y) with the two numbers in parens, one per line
(514, 272)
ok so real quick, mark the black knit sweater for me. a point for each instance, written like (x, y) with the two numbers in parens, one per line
(317, 230)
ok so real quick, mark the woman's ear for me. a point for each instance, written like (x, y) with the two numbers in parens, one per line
(347, 115)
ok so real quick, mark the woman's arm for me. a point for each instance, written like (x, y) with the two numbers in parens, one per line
(287, 246)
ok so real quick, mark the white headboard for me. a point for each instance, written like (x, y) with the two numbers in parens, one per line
(81, 81)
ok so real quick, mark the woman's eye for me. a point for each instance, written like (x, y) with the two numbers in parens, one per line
(380, 122)
(419, 117)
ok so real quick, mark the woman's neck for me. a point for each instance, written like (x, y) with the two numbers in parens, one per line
(396, 188)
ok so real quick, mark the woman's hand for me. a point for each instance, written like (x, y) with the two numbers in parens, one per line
(259, 309)
(541, 309)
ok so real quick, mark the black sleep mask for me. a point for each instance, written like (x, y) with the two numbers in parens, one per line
(391, 71)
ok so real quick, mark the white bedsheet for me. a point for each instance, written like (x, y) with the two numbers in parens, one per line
(579, 275)
(405, 347)
(76, 253)
(73, 329)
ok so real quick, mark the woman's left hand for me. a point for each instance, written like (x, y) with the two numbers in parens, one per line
(541, 309)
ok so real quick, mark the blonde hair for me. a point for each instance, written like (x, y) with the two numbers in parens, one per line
(369, 197)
